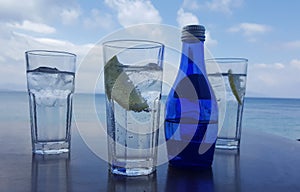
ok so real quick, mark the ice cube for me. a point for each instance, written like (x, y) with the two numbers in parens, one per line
(45, 98)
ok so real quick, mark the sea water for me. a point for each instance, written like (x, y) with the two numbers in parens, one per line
(273, 116)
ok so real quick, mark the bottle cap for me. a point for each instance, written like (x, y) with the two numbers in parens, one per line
(192, 33)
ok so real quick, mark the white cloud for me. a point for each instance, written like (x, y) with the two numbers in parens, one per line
(99, 19)
(292, 44)
(269, 66)
(250, 30)
(13, 10)
(274, 79)
(12, 60)
(186, 18)
(224, 6)
(279, 65)
(36, 10)
(191, 4)
(1, 59)
(32, 26)
(209, 40)
(295, 63)
(131, 12)
(69, 16)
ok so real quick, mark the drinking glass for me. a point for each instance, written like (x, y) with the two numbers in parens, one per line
(133, 82)
(50, 83)
(234, 73)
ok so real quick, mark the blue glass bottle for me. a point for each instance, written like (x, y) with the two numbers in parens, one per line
(191, 121)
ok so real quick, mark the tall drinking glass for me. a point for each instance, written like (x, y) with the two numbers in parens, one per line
(133, 82)
(234, 73)
(50, 83)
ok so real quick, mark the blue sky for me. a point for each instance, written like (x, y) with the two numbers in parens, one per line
(264, 31)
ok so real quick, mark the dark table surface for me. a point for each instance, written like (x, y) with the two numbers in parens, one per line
(264, 163)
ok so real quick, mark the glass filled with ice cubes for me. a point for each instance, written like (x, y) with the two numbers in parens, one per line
(133, 83)
(50, 83)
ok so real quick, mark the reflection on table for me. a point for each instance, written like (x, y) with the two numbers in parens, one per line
(117, 183)
(227, 170)
(50, 173)
(264, 163)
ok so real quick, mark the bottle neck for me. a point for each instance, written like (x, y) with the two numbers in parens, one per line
(192, 58)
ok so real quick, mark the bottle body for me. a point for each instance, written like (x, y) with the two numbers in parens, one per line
(191, 121)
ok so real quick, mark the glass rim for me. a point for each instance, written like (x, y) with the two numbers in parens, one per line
(41, 52)
(147, 44)
(228, 59)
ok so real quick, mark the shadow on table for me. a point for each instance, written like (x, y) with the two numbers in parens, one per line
(50, 173)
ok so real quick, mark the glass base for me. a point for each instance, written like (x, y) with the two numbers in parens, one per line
(132, 171)
(45, 148)
(231, 144)
(133, 166)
